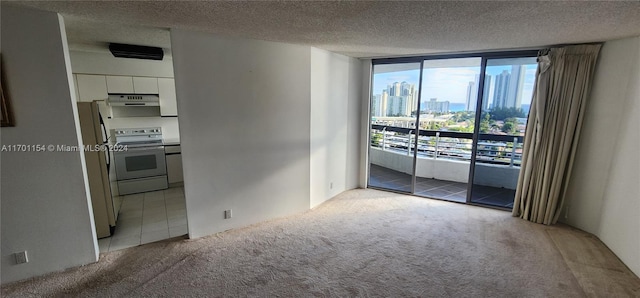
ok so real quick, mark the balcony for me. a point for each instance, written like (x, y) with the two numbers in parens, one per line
(443, 164)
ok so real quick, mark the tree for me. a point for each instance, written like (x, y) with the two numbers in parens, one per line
(504, 113)
(433, 126)
(510, 125)
(484, 123)
(375, 138)
(461, 129)
(512, 119)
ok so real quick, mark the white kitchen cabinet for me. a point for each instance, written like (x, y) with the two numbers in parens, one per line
(143, 85)
(91, 87)
(119, 84)
(167, 93)
(174, 165)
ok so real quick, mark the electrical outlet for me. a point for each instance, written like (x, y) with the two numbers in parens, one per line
(21, 257)
(227, 214)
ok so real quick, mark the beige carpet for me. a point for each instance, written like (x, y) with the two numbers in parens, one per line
(361, 243)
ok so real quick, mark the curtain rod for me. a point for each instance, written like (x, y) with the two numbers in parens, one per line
(472, 52)
(576, 44)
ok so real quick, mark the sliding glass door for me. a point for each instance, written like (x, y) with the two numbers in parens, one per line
(450, 127)
(447, 112)
(503, 121)
(394, 103)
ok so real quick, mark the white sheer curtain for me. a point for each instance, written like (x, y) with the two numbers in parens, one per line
(563, 82)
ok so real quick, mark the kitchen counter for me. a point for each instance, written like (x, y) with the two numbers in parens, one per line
(171, 142)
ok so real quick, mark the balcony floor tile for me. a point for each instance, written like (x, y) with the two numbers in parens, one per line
(382, 177)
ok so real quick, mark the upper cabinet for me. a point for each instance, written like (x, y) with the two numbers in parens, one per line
(142, 85)
(91, 87)
(98, 87)
(167, 93)
(136, 85)
(119, 84)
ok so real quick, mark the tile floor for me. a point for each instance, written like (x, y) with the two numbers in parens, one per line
(441, 189)
(148, 217)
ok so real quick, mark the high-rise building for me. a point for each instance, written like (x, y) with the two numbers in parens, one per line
(472, 94)
(508, 88)
(376, 109)
(409, 107)
(412, 98)
(485, 93)
(433, 105)
(516, 83)
(501, 89)
(395, 89)
(397, 106)
(398, 99)
(405, 89)
(383, 103)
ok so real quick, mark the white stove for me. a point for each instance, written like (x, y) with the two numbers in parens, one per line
(142, 167)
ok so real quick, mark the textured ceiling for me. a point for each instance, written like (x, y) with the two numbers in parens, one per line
(359, 28)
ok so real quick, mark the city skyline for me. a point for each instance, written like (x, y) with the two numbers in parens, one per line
(452, 83)
(396, 99)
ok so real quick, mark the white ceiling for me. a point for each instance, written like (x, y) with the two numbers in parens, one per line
(358, 28)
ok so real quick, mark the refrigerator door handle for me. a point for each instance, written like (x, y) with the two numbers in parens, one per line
(108, 153)
(105, 142)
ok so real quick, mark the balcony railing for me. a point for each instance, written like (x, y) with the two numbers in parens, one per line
(492, 149)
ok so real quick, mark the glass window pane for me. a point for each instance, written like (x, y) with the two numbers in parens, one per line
(447, 114)
(505, 108)
(394, 104)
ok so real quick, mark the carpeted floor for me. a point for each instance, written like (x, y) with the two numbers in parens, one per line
(361, 243)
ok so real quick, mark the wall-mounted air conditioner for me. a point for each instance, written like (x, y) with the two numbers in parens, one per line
(133, 51)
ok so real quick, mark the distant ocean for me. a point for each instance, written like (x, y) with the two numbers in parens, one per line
(457, 107)
(453, 106)
(461, 107)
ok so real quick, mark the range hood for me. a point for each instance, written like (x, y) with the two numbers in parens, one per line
(139, 100)
(133, 51)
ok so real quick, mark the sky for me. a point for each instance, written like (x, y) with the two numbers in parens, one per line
(449, 83)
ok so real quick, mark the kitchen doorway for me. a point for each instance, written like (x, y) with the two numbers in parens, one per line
(148, 217)
(132, 95)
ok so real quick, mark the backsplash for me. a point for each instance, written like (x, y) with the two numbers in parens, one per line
(169, 124)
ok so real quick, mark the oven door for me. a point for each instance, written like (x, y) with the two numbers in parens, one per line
(140, 162)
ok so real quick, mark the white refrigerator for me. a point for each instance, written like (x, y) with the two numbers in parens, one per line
(98, 165)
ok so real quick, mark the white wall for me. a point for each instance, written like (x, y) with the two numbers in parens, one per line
(496, 175)
(354, 123)
(45, 199)
(620, 220)
(335, 97)
(395, 161)
(604, 188)
(105, 63)
(244, 127)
